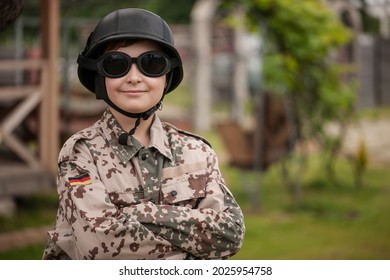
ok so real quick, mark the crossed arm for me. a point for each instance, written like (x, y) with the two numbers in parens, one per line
(146, 230)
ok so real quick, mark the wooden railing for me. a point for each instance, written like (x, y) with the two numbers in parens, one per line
(28, 97)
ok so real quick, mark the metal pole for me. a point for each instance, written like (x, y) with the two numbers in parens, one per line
(240, 81)
(259, 124)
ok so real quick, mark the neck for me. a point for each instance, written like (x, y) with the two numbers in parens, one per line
(142, 133)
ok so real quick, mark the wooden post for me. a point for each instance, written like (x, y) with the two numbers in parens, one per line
(49, 119)
(29, 97)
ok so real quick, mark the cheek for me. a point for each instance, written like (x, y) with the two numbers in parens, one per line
(158, 84)
(112, 84)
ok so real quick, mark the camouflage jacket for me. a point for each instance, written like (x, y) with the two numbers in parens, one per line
(164, 201)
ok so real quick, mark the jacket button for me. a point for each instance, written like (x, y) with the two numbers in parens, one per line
(144, 156)
(173, 193)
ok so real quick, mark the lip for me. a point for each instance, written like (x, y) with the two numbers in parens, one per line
(133, 92)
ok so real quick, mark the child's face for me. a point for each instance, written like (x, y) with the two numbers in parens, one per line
(135, 92)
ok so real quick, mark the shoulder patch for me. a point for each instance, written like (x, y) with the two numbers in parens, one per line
(67, 150)
(188, 133)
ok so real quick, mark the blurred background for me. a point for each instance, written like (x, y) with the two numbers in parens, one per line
(293, 95)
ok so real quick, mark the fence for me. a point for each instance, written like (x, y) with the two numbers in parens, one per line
(373, 72)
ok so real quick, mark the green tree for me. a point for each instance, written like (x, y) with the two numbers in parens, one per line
(300, 37)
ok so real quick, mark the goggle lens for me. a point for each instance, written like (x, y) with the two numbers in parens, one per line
(153, 63)
(115, 65)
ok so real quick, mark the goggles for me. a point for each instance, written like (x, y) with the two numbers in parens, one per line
(117, 64)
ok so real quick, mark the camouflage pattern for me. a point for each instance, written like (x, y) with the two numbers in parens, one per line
(164, 201)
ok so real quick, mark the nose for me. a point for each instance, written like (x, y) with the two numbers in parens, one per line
(134, 76)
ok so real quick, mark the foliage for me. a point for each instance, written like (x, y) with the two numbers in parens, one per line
(360, 163)
(301, 38)
(370, 23)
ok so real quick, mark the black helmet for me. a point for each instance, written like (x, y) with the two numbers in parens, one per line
(131, 23)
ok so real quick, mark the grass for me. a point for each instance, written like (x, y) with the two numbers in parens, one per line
(374, 113)
(33, 211)
(334, 221)
(32, 252)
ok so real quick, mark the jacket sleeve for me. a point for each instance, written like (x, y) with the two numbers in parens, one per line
(213, 230)
(99, 228)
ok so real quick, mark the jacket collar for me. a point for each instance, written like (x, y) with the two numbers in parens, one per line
(112, 130)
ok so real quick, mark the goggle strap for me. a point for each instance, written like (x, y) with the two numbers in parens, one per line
(89, 64)
(175, 63)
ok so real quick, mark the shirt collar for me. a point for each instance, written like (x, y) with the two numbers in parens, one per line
(112, 130)
(159, 138)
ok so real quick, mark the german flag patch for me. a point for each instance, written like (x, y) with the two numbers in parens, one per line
(83, 179)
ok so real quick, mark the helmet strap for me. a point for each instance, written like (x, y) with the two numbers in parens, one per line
(142, 116)
(124, 136)
(101, 93)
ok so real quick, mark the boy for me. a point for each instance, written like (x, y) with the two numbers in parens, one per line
(130, 186)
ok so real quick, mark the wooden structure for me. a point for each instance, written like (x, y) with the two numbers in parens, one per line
(271, 138)
(34, 170)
